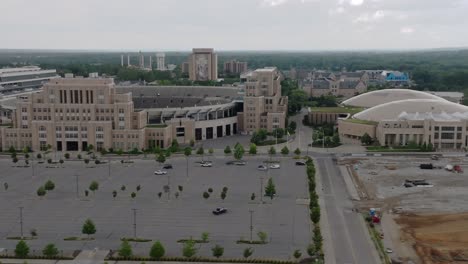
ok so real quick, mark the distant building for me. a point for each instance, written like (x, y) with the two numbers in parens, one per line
(396, 78)
(184, 67)
(160, 62)
(455, 97)
(25, 77)
(235, 67)
(203, 65)
(264, 107)
(344, 84)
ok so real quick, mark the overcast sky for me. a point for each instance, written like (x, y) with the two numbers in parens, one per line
(233, 24)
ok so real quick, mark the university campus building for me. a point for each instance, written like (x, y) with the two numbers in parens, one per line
(70, 114)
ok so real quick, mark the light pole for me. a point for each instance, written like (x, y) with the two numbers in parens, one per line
(261, 189)
(168, 187)
(251, 224)
(21, 221)
(77, 194)
(109, 168)
(134, 222)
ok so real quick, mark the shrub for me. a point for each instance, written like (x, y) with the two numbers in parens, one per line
(218, 251)
(123, 188)
(262, 236)
(206, 195)
(94, 186)
(41, 191)
(210, 190)
(210, 150)
(133, 195)
(252, 197)
(311, 250)
(157, 250)
(227, 150)
(297, 254)
(50, 250)
(297, 151)
(22, 249)
(189, 250)
(67, 155)
(79, 156)
(315, 214)
(97, 162)
(125, 250)
(285, 150)
(205, 236)
(49, 185)
(39, 156)
(248, 252)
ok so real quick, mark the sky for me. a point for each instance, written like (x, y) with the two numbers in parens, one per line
(152, 25)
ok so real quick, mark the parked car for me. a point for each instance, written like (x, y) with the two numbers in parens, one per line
(160, 172)
(230, 163)
(239, 163)
(389, 250)
(206, 164)
(262, 167)
(300, 163)
(275, 166)
(167, 166)
(219, 210)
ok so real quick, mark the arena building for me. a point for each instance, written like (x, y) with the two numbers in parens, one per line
(398, 117)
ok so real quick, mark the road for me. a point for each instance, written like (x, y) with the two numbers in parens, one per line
(350, 241)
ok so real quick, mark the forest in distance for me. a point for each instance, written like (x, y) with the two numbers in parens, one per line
(437, 70)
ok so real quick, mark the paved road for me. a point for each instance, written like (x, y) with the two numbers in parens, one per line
(350, 240)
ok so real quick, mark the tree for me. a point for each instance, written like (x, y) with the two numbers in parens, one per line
(270, 189)
(12, 149)
(297, 151)
(227, 150)
(210, 190)
(248, 252)
(50, 250)
(181, 188)
(239, 152)
(174, 145)
(292, 126)
(22, 249)
(94, 186)
(90, 148)
(15, 160)
(285, 150)
(211, 150)
(122, 188)
(336, 139)
(297, 254)
(187, 151)
(218, 251)
(205, 236)
(272, 151)
(315, 214)
(200, 151)
(192, 143)
(252, 197)
(138, 188)
(49, 185)
(114, 193)
(157, 250)
(61, 162)
(262, 236)
(278, 132)
(125, 250)
(206, 195)
(133, 195)
(161, 158)
(67, 155)
(253, 149)
(366, 139)
(41, 191)
(223, 195)
(39, 156)
(311, 250)
(189, 250)
(88, 228)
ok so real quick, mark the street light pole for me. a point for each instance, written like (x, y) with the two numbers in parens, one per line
(261, 188)
(21, 221)
(251, 224)
(77, 194)
(109, 170)
(134, 222)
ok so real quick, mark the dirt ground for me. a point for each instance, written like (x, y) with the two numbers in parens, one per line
(432, 222)
(437, 238)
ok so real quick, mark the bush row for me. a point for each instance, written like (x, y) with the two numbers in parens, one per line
(203, 259)
(314, 249)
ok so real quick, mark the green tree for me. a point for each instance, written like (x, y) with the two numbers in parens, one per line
(315, 214)
(15, 160)
(41, 191)
(50, 250)
(88, 228)
(253, 149)
(218, 251)
(205, 236)
(125, 250)
(278, 132)
(223, 195)
(200, 151)
(270, 189)
(297, 254)
(122, 188)
(22, 249)
(272, 151)
(285, 150)
(192, 143)
(227, 150)
(311, 251)
(49, 185)
(161, 158)
(292, 126)
(211, 150)
(189, 250)
(157, 250)
(239, 152)
(133, 195)
(252, 197)
(297, 151)
(366, 139)
(94, 186)
(114, 193)
(262, 236)
(67, 155)
(174, 145)
(187, 151)
(248, 252)
(206, 195)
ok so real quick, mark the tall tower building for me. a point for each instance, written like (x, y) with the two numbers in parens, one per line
(160, 61)
(235, 67)
(142, 61)
(122, 60)
(150, 65)
(203, 65)
(264, 107)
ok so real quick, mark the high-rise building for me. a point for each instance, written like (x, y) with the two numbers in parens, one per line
(264, 107)
(203, 65)
(235, 67)
(160, 61)
(142, 60)
(23, 78)
(184, 67)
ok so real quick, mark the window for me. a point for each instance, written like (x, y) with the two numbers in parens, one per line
(99, 129)
(447, 135)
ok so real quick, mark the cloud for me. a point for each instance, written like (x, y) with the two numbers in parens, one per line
(407, 30)
(368, 18)
(337, 11)
(274, 3)
(356, 2)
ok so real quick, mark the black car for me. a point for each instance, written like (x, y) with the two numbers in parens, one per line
(219, 210)
(300, 163)
(230, 163)
(167, 166)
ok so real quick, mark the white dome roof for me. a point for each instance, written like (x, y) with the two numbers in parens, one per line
(378, 97)
(399, 109)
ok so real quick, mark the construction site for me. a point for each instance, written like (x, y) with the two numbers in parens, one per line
(417, 205)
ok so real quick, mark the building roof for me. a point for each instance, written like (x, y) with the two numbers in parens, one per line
(348, 84)
(379, 97)
(394, 110)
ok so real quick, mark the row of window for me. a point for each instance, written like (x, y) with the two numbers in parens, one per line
(128, 136)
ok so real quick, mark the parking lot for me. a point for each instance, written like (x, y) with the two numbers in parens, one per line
(61, 214)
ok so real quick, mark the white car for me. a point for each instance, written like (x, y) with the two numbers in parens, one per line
(389, 250)
(160, 172)
(275, 166)
(206, 164)
(262, 167)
